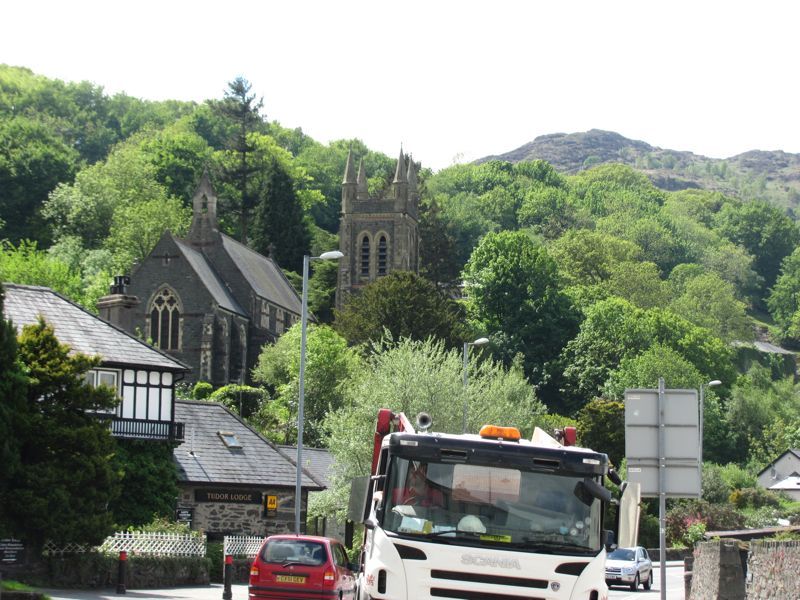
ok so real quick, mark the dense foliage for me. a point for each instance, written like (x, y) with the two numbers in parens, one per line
(65, 481)
(585, 284)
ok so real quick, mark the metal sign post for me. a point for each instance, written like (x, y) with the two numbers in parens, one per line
(662, 491)
(662, 447)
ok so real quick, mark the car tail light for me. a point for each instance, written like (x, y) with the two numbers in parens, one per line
(254, 571)
(329, 578)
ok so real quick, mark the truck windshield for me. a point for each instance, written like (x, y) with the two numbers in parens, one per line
(491, 506)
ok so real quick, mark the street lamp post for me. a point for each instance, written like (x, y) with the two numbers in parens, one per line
(479, 342)
(712, 383)
(332, 255)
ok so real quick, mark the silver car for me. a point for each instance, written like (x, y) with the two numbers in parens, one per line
(629, 566)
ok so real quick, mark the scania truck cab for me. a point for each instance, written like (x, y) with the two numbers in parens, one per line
(482, 517)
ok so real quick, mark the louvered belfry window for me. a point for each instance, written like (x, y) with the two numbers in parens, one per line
(165, 318)
(365, 256)
(383, 253)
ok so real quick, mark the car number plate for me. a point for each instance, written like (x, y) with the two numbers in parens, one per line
(290, 579)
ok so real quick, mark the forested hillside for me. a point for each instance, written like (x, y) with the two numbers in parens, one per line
(588, 277)
(763, 175)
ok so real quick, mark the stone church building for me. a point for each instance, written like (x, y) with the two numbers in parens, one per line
(212, 302)
(208, 300)
(377, 235)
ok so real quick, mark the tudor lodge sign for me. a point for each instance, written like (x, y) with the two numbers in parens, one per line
(228, 496)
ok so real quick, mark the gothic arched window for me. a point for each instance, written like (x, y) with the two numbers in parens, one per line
(365, 256)
(383, 254)
(165, 319)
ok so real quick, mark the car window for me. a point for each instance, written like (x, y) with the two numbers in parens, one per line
(622, 554)
(297, 551)
(646, 556)
(339, 556)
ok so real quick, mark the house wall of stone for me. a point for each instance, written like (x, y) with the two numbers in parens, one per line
(217, 519)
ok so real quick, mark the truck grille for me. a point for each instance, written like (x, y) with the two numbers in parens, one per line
(442, 592)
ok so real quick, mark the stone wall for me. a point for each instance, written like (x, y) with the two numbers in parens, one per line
(732, 570)
(217, 518)
(717, 573)
(772, 571)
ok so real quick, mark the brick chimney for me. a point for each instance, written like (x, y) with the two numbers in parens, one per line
(117, 308)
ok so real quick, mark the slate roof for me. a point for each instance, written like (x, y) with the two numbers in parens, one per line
(204, 458)
(263, 275)
(210, 279)
(81, 330)
(317, 461)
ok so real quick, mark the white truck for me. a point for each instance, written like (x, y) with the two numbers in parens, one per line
(481, 517)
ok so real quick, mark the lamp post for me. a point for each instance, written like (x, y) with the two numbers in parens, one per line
(332, 255)
(479, 342)
(712, 383)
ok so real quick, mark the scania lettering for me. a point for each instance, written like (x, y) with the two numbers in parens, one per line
(481, 516)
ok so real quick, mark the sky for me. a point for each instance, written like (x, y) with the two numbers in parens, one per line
(450, 81)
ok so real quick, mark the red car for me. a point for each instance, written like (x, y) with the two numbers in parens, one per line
(301, 566)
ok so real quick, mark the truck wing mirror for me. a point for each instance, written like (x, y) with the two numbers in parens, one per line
(588, 489)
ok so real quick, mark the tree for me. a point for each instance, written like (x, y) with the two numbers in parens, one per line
(587, 257)
(65, 483)
(33, 160)
(784, 299)
(412, 376)
(329, 364)
(404, 304)
(709, 301)
(27, 265)
(279, 229)
(12, 404)
(148, 485)
(136, 228)
(645, 369)
(242, 112)
(601, 426)
(764, 231)
(86, 208)
(514, 292)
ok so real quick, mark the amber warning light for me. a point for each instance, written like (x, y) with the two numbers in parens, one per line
(500, 433)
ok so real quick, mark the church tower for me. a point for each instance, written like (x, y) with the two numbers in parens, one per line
(377, 235)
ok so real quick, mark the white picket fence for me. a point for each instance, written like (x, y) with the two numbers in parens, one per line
(137, 542)
(242, 545)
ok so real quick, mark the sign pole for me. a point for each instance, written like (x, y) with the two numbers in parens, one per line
(662, 489)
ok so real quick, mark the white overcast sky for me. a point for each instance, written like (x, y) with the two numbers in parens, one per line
(450, 80)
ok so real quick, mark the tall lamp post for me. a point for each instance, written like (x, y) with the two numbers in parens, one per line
(479, 342)
(712, 383)
(332, 255)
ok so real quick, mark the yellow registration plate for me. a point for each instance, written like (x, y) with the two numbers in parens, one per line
(290, 579)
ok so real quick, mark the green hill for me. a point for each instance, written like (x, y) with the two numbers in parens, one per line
(773, 176)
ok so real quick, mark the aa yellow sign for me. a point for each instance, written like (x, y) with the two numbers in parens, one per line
(272, 503)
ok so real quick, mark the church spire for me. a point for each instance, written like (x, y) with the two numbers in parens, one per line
(349, 169)
(400, 172)
(362, 191)
(412, 175)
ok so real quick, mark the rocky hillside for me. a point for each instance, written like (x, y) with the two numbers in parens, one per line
(773, 176)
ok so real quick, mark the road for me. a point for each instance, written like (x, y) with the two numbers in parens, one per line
(674, 586)
(214, 591)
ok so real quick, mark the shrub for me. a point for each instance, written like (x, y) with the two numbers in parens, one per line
(214, 553)
(754, 497)
(715, 488)
(202, 390)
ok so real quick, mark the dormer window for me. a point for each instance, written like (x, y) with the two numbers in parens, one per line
(229, 439)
